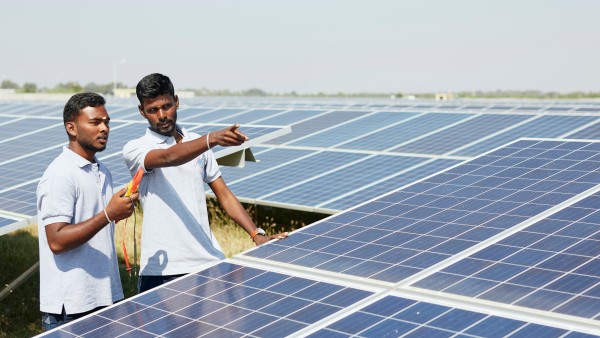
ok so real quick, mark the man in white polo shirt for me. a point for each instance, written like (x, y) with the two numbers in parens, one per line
(176, 236)
(77, 212)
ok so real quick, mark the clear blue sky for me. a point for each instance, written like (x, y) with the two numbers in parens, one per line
(307, 45)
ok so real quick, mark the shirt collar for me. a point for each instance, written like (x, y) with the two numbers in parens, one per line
(159, 138)
(76, 158)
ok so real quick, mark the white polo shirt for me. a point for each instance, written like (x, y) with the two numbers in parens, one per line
(73, 190)
(176, 236)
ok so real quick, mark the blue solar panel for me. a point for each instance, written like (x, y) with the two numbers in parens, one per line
(18, 126)
(544, 126)
(389, 184)
(213, 115)
(33, 143)
(354, 129)
(316, 124)
(344, 180)
(224, 300)
(291, 117)
(397, 316)
(5, 221)
(404, 132)
(283, 177)
(461, 134)
(251, 117)
(590, 133)
(20, 200)
(190, 113)
(401, 234)
(268, 159)
(551, 265)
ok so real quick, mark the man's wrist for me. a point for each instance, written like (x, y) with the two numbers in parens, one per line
(256, 232)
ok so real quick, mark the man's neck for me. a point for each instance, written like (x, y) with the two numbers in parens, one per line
(85, 153)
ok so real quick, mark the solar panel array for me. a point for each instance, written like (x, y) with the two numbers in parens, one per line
(339, 153)
(505, 244)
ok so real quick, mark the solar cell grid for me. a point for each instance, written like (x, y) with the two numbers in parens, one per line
(343, 180)
(403, 132)
(32, 144)
(223, 300)
(389, 184)
(215, 115)
(315, 124)
(359, 127)
(21, 200)
(5, 221)
(279, 178)
(268, 160)
(590, 133)
(190, 114)
(409, 318)
(543, 127)
(425, 223)
(249, 117)
(461, 134)
(19, 126)
(551, 265)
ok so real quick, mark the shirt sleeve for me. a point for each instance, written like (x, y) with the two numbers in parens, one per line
(134, 154)
(211, 167)
(56, 200)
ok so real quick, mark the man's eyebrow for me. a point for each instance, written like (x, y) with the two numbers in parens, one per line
(106, 118)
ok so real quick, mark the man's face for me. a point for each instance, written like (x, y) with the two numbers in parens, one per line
(92, 128)
(161, 113)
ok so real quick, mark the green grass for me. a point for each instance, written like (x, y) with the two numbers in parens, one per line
(19, 311)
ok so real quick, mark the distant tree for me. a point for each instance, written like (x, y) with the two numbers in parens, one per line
(8, 84)
(254, 92)
(67, 87)
(29, 87)
(98, 88)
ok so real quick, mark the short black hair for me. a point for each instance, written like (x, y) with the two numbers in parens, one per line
(79, 102)
(154, 85)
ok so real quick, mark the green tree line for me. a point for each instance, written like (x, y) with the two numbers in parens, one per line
(107, 89)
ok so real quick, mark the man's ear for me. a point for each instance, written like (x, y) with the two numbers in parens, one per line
(141, 109)
(176, 101)
(71, 129)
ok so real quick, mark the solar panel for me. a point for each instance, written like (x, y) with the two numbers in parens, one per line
(405, 131)
(315, 124)
(223, 300)
(461, 134)
(544, 126)
(365, 124)
(11, 223)
(410, 318)
(273, 297)
(551, 265)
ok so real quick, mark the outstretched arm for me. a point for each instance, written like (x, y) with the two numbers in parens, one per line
(236, 211)
(186, 151)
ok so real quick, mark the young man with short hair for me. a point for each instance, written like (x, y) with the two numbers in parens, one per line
(176, 236)
(77, 212)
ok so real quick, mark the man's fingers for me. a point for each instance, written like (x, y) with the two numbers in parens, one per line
(238, 134)
(241, 136)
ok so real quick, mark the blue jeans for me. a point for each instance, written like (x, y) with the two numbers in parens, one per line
(146, 283)
(52, 320)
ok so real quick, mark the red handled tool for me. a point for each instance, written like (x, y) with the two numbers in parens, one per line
(132, 188)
